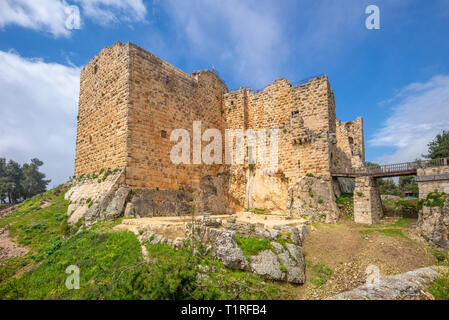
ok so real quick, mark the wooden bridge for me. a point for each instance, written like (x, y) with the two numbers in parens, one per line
(390, 170)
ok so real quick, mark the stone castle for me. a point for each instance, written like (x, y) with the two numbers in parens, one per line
(131, 101)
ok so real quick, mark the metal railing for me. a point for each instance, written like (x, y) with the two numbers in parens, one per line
(392, 169)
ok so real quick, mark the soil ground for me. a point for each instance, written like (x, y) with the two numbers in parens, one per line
(337, 255)
(348, 249)
(8, 246)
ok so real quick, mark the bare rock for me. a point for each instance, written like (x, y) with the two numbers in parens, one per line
(433, 225)
(405, 286)
(266, 264)
(222, 238)
(232, 258)
(117, 204)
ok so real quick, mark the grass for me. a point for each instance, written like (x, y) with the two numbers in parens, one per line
(433, 199)
(403, 223)
(346, 200)
(111, 263)
(40, 228)
(252, 246)
(258, 211)
(391, 232)
(439, 288)
(319, 273)
(100, 258)
(405, 207)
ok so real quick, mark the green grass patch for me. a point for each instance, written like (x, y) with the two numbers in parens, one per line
(433, 199)
(403, 223)
(319, 273)
(111, 264)
(439, 288)
(258, 211)
(346, 200)
(100, 258)
(39, 228)
(387, 232)
(252, 246)
(442, 257)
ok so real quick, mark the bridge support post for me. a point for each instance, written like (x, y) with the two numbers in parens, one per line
(367, 202)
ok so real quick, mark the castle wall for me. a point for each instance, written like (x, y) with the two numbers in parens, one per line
(164, 98)
(102, 114)
(350, 144)
(305, 118)
(131, 101)
(432, 179)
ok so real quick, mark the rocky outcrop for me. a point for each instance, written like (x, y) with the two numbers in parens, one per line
(266, 264)
(222, 241)
(406, 286)
(314, 198)
(433, 225)
(97, 197)
(281, 262)
(153, 203)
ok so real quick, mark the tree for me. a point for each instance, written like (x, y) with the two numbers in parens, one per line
(3, 180)
(387, 186)
(439, 147)
(33, 181)
(408, 183)
(13, 177)
(21, 182)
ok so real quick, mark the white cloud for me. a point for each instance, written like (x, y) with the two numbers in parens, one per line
(48, 15)
(38, 113)
(111, 11)
(51, 15)
(247, 36)
(420, 111)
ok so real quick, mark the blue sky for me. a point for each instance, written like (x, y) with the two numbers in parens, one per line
(396, 78)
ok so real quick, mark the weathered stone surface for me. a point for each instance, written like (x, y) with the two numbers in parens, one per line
(232, 257)
(116, 206)
(208, 222)
(295, 236)
(367, 204)
(433, 225)
(404, 286)
(157, 238)
(149, 203)
(145, 236)
(90, 197)
(178, 243)
(297, 253)
(293, 260)
(131, 101)
(314, 198)
(266, 264)
(222, 238)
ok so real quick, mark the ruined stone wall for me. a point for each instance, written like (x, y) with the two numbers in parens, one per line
(367, 203)
(102, 114)
(164, 98)
(432, 179)
(305, 118)
(131, 101)
(350, 144)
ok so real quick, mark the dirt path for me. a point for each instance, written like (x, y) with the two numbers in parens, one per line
(8, 247)
(347, 249)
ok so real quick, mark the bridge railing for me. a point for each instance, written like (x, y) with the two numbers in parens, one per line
(404, 167)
